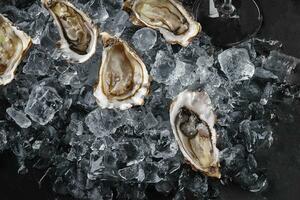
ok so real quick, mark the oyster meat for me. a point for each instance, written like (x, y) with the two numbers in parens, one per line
(13, 46)
(77, 31)
(192, 120)
(123, 78)
(167, 16)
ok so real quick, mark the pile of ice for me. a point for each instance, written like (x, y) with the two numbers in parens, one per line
(52, 118)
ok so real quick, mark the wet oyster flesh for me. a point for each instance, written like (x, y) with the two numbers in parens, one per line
(167, 16)
(192, 120)
(77, 31)
(123, 77)
(13, 46)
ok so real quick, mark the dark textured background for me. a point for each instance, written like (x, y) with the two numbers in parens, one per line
(281, 22)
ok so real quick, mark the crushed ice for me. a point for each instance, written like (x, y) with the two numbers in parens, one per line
(96, 154)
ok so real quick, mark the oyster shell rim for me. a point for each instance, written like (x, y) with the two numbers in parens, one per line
(136, 99)
(26, 45)
(63, 44)
(189, 102)
(129, 6)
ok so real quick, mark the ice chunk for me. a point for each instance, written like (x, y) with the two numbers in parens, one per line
(43, 103)
(152, 173)
(178, 72)
(264, 74)
(264, 47)
(251, 161)
(255, 134)
(193, 182)
(180, 195)
(207, 73)
(102, 165)
(260, 185)
(95, 194)
(164, 187)
(77, 152)
(175, 89)
(38, 64)
(186, 73)
(204, 60)
(19, 117)
(193, 52)
(150, 121)
(162, 69)
(96, 165)
(233, 158)
(66, 77)
(135, 117)
(101, 143)
(280, 64)
(252, 181)
(37, 144)
(249, 134)
(70, 77)
(267, 94)
(132, 172)
(113, 6)
(131, 151)
(117, 24)
(75, 127)
(65, 108)
(86, 98)
(144, 39)
(236, 64)
(161, 143)
(96, 11)
(265, 139)
(103, 121)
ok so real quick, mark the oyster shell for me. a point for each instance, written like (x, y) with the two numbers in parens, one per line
(167, 16)
(13, 46)
(123, 77)
(192, 120)
(77, 31)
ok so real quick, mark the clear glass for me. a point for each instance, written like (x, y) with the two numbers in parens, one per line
(227, 8)
(228, 22)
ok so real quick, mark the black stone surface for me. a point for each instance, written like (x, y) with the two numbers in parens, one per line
(282, 161)
(281, 22)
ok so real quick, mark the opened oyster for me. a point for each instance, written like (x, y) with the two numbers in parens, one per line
(77, 31)
(167, 16)
(123, 77)
(192, 120)
(13, 46)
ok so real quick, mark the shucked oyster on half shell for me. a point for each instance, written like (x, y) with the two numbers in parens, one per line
(192, 120)
(77, 31)
(167, 16)
(123, 78)
(13, 46)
